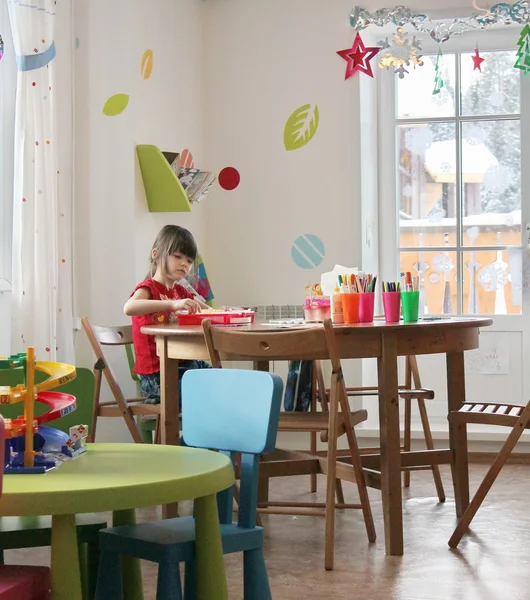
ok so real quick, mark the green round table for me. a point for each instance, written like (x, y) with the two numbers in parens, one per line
(121, 478)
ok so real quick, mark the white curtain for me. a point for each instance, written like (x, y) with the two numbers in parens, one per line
(42, 205)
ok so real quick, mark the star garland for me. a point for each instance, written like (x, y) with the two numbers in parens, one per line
(477, 60)
(358, 58)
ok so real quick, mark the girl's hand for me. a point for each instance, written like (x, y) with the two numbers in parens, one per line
(192, 306)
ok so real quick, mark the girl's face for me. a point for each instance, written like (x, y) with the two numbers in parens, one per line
(177, 267)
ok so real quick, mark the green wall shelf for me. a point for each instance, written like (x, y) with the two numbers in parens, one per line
(163, 190)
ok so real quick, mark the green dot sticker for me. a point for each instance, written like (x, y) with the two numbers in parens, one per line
(308, 251)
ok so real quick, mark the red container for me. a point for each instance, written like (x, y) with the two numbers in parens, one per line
(218, 317)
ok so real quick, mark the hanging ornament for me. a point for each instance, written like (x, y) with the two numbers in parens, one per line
(523, 54)
(477, 60)
(400, 53)
(486, 11)
(441, 30)
(358, 57)
(438, 79)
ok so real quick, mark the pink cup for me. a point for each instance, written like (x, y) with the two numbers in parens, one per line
(317, 309)
(391, 305)
(366, 307)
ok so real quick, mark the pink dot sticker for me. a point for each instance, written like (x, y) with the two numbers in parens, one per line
(229, 178)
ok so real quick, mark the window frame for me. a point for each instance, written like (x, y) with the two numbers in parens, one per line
(503, 38)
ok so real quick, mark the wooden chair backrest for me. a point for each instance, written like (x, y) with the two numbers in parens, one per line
(107, 336)
(232, 343)
(111, 336)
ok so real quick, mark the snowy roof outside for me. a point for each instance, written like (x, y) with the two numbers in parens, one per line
(440, 161)
(512, 219)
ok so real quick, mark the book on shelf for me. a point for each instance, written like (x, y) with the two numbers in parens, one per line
(196, 183)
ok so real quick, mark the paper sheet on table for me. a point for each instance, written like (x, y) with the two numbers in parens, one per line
(328, 281)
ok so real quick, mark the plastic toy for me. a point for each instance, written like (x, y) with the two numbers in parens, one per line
(30, 447)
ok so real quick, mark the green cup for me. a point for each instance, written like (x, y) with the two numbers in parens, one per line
(410, 304)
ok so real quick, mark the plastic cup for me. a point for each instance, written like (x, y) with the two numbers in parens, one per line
(410, 302)
(391, 302)
(350, 307)
(366, 307)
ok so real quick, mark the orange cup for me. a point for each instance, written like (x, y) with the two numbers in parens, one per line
(350, 307)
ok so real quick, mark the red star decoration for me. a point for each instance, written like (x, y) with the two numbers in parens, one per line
(358, 57)
(477, 61)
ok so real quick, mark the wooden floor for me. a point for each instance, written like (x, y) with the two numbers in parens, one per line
(491, 563)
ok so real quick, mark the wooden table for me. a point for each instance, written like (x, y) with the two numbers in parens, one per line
(379, 340)
(122, 477)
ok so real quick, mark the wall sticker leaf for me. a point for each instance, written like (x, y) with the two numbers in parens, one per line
(116, 104)
(301, 126)
(147, 64)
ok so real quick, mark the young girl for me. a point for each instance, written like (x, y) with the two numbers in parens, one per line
(158, 299)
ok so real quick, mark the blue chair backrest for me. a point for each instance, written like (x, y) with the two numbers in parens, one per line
(233, 411)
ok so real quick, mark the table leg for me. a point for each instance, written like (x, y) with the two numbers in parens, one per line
(387, 374)
(169, 408)
(130, 567)
(209, 565)
(66, 576)
(456, 396)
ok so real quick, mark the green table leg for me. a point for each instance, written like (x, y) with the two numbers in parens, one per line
(210, 570)
(130, 567)
(66, 577)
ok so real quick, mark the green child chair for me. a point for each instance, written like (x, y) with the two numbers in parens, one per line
(216, 413)
(35, 532)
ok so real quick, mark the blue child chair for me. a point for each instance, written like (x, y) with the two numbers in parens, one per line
(233, 411)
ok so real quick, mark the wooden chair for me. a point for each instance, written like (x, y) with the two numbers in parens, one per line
(36, 532)
(411, 390)
(283, 345)
(515, 416)
(127, 408)
(216, 413)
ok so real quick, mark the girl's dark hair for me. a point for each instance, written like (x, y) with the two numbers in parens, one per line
(170, 240)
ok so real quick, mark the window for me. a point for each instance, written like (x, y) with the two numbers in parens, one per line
(458, 183)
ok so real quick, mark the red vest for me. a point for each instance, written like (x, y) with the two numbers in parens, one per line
(147, 361)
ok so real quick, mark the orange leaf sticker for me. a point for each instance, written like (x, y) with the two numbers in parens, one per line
(147, 64)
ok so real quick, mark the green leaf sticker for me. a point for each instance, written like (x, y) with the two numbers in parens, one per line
(301, 126)
(116, 104)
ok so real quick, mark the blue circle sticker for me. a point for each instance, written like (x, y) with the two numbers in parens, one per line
(308, 251)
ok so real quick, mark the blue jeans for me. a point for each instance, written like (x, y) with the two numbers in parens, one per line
(150, 384)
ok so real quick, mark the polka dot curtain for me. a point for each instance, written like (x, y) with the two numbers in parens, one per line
(42, 245)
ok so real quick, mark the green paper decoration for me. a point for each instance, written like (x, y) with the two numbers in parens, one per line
(115, 105)
(523, 54)
(301, 126)
(163, 190)
(438, 79)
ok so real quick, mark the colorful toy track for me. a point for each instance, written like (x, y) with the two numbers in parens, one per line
(60, 404)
